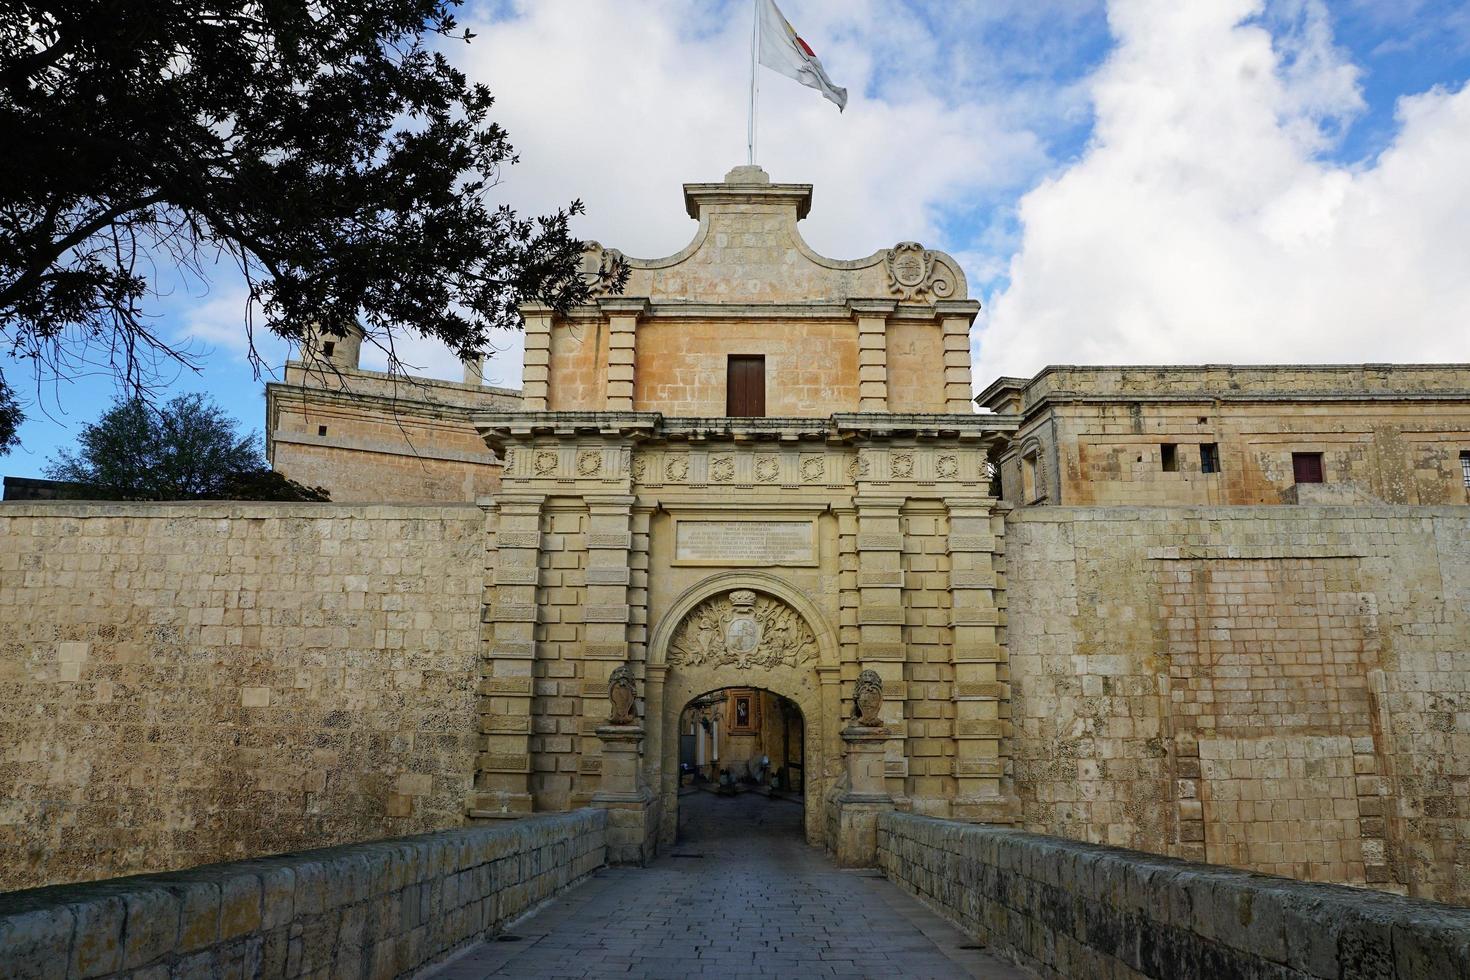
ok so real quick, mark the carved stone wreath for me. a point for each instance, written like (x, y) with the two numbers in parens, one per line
(948, 467)
(767, 468)
(722, 469)
(545, 464)
(638, 467)
(589, 462)
(742, 629)
(676, 470)
(857, 466)
(812, 469)
(902, 465)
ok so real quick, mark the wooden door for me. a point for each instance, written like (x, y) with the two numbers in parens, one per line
(1307, 467)
(745, 386)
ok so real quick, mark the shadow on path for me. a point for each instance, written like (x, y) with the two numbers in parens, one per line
(740, 895)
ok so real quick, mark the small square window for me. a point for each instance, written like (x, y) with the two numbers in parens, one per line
(321, 430)
(328, 347)
(1169, 456)
(1209, 457)
(1307, 467)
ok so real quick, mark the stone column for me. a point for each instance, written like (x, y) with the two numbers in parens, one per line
(956, 316)
(872, 324)
(622, 324)
(981, 685)
(606, 618)
(503, 771)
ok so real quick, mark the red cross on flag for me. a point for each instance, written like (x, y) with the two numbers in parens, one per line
(782, 50)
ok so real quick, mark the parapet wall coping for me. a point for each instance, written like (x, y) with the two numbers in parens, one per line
(235, 509)
(1237, 512)
(53, 896)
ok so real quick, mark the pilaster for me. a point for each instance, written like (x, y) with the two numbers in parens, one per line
(606, 624)
(982, 676)
(536, 372)
(956, 318)
(872, 324)
(622, 324)
(880, 617)
(502, 780)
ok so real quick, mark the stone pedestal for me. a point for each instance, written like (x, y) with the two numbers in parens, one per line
(632, 808)
(855, 843)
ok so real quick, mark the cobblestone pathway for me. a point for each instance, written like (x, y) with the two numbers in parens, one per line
(741, 895)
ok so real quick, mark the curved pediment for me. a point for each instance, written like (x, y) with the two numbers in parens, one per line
(748, 250)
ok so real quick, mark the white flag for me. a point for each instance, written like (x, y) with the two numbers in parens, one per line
(782, 50)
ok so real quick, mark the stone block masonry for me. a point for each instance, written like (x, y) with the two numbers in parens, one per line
(1285, 690)
(381, 910)
(189, 683)
(1067, 909)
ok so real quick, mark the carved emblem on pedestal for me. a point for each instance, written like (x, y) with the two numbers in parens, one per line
(742, 629)
(867, 700)
(622, 696)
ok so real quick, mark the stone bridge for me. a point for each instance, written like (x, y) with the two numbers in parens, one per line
(740, 894)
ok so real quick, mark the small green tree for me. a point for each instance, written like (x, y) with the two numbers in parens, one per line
(10, 418)
(187, 450)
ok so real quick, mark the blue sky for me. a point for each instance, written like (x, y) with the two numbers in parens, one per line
(1130, 181)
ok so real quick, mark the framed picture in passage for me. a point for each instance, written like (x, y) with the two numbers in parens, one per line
(743, 711)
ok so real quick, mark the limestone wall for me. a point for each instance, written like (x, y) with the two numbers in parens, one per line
(1282, 689)
(382, 910)
(1066, 909)
(186, 683)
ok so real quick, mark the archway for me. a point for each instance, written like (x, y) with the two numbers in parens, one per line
(752, 631)
(738, 741)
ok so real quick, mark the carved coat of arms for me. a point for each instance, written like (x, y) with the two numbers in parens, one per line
(742, 629)
(909, 266)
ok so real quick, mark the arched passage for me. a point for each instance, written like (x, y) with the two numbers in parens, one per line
(736, 741)
(744, 630)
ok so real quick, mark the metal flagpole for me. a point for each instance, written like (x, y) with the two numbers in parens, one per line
(755, 28)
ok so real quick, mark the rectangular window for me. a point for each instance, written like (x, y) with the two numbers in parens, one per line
(1209, 457)
(745, 386)
(1169, 456)
(1307, 467)
(1465, 466)
(328, 347)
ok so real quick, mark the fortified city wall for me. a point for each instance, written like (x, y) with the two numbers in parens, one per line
(189, 683)
(1280, 689)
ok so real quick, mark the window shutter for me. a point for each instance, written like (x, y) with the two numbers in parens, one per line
(745, 386)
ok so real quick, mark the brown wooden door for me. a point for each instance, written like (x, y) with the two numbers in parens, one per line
(745, 386)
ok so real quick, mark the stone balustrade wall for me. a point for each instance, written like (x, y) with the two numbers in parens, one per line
(1068, 909)
(381, 910)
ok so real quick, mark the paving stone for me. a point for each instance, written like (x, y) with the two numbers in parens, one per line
(760, 902)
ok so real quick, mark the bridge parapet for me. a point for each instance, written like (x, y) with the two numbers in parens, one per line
(1065, 908)
(381, 909)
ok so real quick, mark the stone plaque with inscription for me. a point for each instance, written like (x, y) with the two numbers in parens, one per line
(745, 543)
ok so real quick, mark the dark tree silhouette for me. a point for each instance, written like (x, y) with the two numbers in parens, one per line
(187, 450)
(327, 149)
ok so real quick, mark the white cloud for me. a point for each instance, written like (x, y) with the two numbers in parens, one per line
(1202, 223)
(622, 103)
